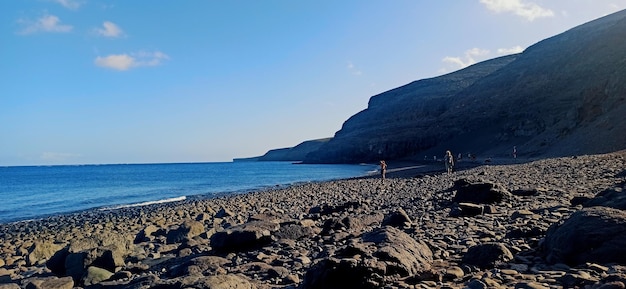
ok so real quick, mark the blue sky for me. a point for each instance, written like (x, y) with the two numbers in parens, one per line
(92, 82)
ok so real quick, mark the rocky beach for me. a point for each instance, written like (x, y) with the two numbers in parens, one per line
(552, 223)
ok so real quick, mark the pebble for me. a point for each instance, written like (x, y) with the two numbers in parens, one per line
(353, 207)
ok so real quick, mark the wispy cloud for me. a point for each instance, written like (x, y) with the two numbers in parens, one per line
(69, 4)
(473, 56)
(353, 69)
(46, 23)
(528, 10)
(512, 50)
(127, 61)
(109, 29)
(470, 57)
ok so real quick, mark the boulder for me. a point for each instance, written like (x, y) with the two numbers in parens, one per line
(206, 265)
(367, 261)
(146, 234)
(294, 232)
(404, 254)
(95, 275)
(41, 251)
(223, 213)
(333, 273)
(470, 210)
(479, 192)
(487, 255)
(398, 218)
(187, 230)
(613, 197)
(245, 236)
(594, 235)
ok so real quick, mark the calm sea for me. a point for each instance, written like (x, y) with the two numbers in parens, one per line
(38, 191)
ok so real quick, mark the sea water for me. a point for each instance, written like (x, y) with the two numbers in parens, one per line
(31, 192)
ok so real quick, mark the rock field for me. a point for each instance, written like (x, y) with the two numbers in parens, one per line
(554, 223)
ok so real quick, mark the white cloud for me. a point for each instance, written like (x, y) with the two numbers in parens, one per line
(127, 61)
(468, 59)
(109, 29)
(512, 50)
(46, 23)
(116, 61)
(352, 69)
(69, 4)
(528, 10)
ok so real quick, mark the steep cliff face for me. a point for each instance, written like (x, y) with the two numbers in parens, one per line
(562, 96)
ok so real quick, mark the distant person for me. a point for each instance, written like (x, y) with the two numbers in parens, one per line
(448, 159)
(383, 170)
(434, 158)
(460, 157)
(514, 152)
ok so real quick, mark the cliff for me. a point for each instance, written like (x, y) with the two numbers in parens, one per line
(562, 96)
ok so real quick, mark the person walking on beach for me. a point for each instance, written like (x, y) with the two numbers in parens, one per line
(383, 170)
(448, 159)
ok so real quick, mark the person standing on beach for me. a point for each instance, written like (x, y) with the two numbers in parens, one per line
(448, 159)
(383, 170)
(514, 152)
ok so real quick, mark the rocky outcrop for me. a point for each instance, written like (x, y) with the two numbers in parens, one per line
(557, 98)
(592, 235)
(366, 262)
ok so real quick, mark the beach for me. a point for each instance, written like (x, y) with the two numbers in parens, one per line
(486, 226)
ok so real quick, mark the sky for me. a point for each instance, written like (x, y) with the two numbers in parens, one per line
(108, 82)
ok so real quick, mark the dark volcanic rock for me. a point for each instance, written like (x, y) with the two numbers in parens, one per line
(187, 230)
(614, 198)
(596, 235)
(479, 192)
(241, 237)
(397, 218)
(487, 255)
(365, 263)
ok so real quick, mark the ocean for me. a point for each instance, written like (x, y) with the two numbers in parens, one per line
(33, 192)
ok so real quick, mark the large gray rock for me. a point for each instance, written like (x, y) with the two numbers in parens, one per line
(41, 251)
(368, 261)
(613, 197)
(187, 230)
(487, 255)
(591, 235)
(242, 237)
(203, 265)
(95, 275)
(398, 218)
(479, 192)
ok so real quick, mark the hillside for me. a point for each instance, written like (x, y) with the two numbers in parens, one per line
(562, 96)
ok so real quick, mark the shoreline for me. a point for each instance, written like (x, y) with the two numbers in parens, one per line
(208, 193)
(311, 223)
